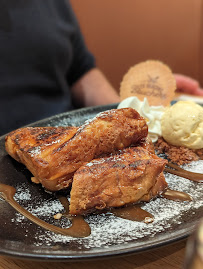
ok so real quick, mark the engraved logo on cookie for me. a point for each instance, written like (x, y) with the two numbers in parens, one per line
(149, 87)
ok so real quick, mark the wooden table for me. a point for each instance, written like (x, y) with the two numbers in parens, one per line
(167, 257)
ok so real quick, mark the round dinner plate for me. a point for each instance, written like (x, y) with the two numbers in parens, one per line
(110, 235)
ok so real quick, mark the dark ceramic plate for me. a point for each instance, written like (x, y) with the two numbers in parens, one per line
(111, 236)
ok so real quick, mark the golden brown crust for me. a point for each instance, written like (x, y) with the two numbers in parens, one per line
(124, 178)
(31, 139)
(157, 189)
(32, 146)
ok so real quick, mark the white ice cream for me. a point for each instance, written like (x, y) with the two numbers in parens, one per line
(182, 125)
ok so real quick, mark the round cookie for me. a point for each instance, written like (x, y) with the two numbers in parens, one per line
(151, 79)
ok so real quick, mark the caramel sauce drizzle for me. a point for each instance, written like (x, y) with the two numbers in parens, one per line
(176, 195)
(79, 227)
(64, 201)
(197, 177)
(133, 212)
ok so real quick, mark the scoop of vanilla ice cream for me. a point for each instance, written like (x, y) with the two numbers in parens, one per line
(182, 125)
(152, 114)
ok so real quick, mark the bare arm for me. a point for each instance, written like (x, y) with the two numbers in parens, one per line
(188, 85)
(94, 89)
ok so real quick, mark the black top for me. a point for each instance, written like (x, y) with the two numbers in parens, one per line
(42, 52)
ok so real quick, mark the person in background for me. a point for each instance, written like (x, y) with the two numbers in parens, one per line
(45, 66)
(188, 85)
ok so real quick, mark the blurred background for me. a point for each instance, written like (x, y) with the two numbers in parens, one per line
(122, 33)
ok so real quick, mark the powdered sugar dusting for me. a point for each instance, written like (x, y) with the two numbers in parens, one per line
(108, 230)
(35, 151)
(22, 193)
(100, 115)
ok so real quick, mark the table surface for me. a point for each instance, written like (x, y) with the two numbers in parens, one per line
(167, 257)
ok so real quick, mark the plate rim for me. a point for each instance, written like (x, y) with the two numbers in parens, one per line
(100, 255)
